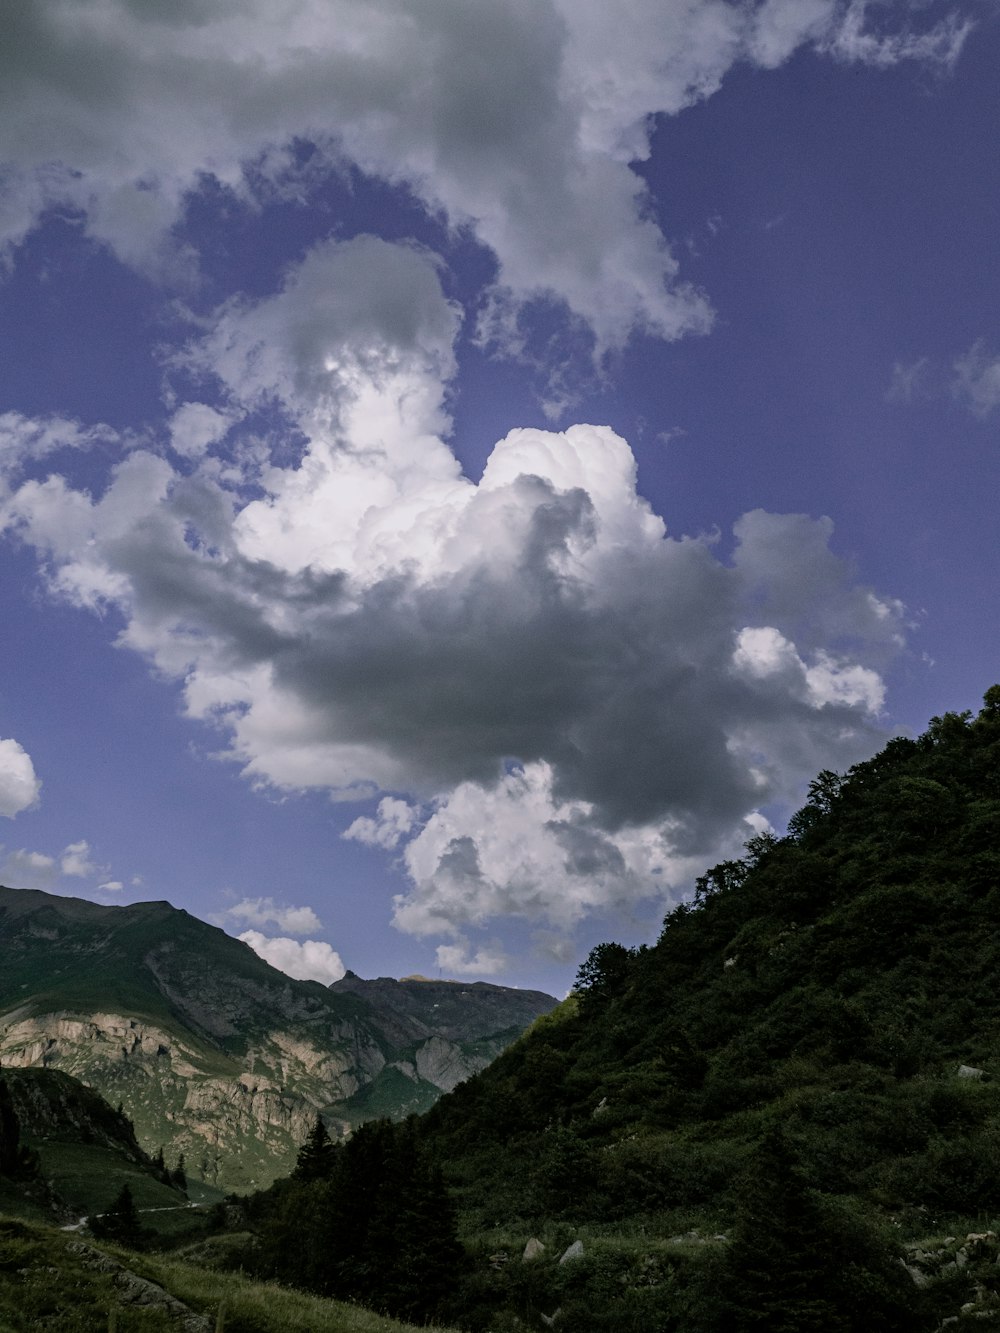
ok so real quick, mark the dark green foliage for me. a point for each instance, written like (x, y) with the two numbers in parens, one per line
(376, 1227)
(316, 1156)
(604, 973)
(121, 1222)
(17, 1161)
(178, 1176)
(797, 1264)
(831, 982)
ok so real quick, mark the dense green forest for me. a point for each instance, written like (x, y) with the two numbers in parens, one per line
(785, 1113)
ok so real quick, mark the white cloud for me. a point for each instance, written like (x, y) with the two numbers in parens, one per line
(977, 379)
(75, 860)
(37, 870)
(939, 46)
(28, 870)
(196, 426)
(515, 849)
(909, 381)
(265, 911)
(19, 786)
(764, 652)
(24, 439)
(305, 960)
(485, 962)
(394, 820)
(431, 631)
(518, 118)
(111, 886)
(587, 707)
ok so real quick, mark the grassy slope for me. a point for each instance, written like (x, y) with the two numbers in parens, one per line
(45, 1285)
(87, 1152)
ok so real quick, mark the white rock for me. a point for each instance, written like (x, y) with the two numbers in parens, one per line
(575, 1251)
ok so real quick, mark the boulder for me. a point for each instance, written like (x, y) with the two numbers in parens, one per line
(533, 1250)
(575, 1251)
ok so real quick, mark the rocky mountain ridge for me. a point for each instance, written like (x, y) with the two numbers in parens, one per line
(213, 1052)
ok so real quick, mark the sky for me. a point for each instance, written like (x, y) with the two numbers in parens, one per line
(466, 465)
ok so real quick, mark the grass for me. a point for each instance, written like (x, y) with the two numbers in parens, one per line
(45, 1285)
(90, 1177)
(264, 1307)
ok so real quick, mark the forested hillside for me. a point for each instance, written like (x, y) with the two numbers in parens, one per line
(808, 1059)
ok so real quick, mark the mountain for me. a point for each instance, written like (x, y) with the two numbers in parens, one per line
(214, 1053)
(85, 1152)
(786, 1112)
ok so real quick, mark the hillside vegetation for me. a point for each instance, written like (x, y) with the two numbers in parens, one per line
(60, 1283)
(801, 1077)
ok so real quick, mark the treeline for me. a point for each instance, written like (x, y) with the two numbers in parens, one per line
(368, 1220)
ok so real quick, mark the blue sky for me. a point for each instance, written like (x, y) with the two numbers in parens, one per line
(465, 466)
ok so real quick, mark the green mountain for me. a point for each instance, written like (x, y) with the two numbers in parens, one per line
(786, 1112)
(85, 1152)
(211, 1051)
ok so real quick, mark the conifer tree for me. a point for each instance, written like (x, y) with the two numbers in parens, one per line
(121, 1221)
(797, 1266)
(316, 1156)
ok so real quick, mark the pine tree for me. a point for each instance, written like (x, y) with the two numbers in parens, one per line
(178, 1177)
(797, 1265)
(120, 1222)
(316, 1156)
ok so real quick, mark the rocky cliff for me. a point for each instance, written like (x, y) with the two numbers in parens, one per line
(214, 1053)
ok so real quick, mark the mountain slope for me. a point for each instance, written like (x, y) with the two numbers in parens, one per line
(831, 1000)
(86, 1150)
(212, 1051)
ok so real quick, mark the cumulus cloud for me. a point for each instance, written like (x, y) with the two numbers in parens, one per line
(38, 870)
(305, 960)
(75, 861)
(265, 912)
(393, 821)
(485, 962)
(196, 426)
(581, 708)
(517, 118)
(22, 869)
(588, 707)
(19, 786)
(514, 849)
(111, 886)
(977, 379)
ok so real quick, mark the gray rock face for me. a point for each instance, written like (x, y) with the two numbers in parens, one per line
(214, 1053)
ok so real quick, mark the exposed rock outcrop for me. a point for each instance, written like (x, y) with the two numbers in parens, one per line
(214, 1053)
